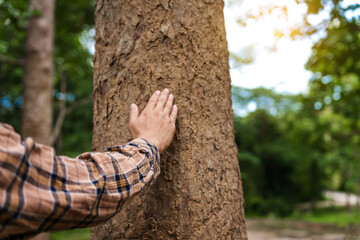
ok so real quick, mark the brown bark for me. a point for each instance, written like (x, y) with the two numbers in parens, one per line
(38, 76)
(38, 73)
(142, 46)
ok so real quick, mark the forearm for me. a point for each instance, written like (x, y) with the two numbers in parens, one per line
(107, 180)
(43, 192)
(126, 170)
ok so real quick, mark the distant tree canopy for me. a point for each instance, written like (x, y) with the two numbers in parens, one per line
(309, 141)
(335, 88)
(289, 152)
(279, 151)
(337, 12)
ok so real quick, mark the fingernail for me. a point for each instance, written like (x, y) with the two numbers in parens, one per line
(166, 90)
(158, 92)
(132, 106)
(175, 106)
(171, 96)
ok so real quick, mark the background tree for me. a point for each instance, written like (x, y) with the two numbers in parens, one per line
(144, 46)
(38, 76)
(38, 72)
(72, 60)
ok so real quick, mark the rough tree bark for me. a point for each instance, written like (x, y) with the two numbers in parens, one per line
(38, 76)
(145, 45)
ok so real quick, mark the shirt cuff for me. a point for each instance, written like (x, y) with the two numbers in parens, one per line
(143, 146)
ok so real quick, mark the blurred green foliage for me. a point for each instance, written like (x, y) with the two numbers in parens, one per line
(75, 234)
(14, 15)
(335, 88)
(280, 145)
(338, 216)
(74, 29)
(292, 147)
(73, 32)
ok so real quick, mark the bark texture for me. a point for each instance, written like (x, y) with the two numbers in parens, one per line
(37, 108)
(38, 73)
(145, 45)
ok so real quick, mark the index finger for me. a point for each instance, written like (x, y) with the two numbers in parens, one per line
(153, 99)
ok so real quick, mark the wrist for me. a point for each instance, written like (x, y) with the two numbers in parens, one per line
(154, 142)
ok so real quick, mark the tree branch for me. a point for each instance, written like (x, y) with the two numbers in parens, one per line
(15, 62)
(63, 110)
(78, 104)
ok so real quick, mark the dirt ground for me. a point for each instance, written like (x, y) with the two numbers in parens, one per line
(273, 229)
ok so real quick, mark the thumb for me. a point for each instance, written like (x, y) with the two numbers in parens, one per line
(134, 112)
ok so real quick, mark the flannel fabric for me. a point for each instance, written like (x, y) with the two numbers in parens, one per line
(42, 192)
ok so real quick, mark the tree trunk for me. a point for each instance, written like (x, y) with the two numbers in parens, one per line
(142, 46)
(38, 73)
(38, 76)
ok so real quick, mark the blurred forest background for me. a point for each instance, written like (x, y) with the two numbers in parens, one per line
(292, 147)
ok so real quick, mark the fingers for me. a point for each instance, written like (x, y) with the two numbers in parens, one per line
(162, 99)
(173, 113)
(169, 104)
(134, 113)
(153, 99)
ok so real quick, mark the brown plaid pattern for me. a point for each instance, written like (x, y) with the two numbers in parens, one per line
(42, 192)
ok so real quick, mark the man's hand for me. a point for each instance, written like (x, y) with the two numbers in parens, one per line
(157, 122)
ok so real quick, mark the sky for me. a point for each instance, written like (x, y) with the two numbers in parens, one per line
(282, 69)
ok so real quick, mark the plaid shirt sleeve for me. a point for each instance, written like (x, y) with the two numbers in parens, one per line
(42, 192)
